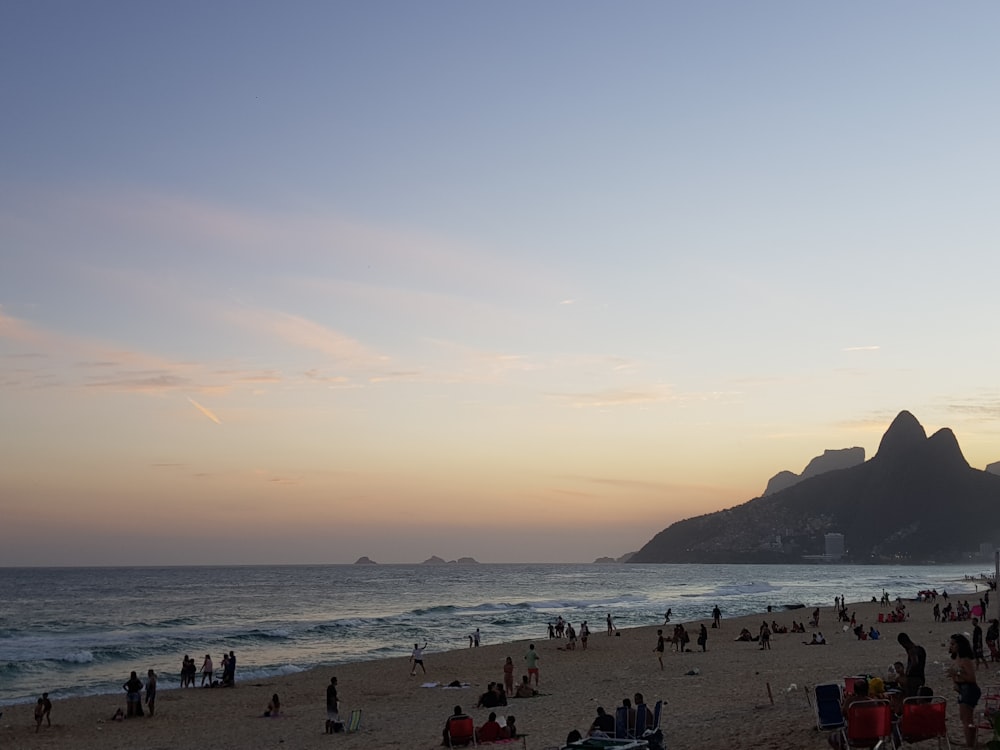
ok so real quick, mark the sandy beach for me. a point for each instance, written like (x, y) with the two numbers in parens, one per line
(726, 704)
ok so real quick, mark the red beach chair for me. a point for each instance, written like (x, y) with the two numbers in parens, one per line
(924, 719)
(869, 725)
(461, 731)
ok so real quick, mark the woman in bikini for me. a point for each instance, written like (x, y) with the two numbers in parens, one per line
(963, 673)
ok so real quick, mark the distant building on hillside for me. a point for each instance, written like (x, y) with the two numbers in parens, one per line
(834, 546)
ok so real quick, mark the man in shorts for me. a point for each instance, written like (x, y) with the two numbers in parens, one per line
(532, 658)
(417, 657)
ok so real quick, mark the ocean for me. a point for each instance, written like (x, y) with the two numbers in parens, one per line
(80, 631)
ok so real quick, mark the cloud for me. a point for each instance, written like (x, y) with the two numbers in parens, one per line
(207, 412)
(303, 333)
(618, 397)
(870, 348)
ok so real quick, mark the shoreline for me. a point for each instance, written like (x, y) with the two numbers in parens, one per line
(740, 697)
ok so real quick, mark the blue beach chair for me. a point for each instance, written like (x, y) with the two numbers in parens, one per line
(828, 713)
(621, 723)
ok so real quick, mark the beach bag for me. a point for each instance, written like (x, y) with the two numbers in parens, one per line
(338, 726)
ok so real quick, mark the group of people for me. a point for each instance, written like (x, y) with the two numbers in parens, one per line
(679, 640)
(603, 725)
(189, 671)
(909, 681)
(133, 694)
(134, 686)
(43, 711)
(454, 729)
(961, 610)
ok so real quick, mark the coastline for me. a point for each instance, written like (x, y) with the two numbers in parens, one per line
(726, 704)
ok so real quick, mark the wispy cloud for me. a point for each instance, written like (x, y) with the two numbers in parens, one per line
(617, 397)
(204, 410)
(869, 348)
(301, 332)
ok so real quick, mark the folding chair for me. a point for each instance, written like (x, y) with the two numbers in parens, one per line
(640, 720)
(828, 713)
(923, 719)
(621, 723)
(657, 713)
(989, 706)
(869, 724)
(461, 731)
(354, 722)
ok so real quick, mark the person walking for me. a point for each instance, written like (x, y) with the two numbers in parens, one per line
(660, 644)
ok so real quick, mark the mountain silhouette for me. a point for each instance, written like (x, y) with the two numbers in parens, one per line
(916, 500)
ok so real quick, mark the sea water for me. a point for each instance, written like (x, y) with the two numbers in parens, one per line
(80, 631)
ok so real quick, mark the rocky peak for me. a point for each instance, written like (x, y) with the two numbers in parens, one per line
(904, 434)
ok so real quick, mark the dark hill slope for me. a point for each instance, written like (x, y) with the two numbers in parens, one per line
(917, 499)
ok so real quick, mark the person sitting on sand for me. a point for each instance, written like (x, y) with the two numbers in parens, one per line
(836, 739)
(510, 730)
(273, 706)
(457, 713)
(603, 725)
(745, 635)
(501, 694)
(524, 690)
(490, 731)
(489, 698)
(640, 703)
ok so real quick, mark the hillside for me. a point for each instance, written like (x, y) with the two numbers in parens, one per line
(916, 500)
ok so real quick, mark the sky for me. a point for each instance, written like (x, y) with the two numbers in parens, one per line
(300, 282)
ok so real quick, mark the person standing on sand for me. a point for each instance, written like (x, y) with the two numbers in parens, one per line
(977, 643)
(475, 638)
(206, 670)
(39, 713)
(916, 660)
(659, 648)
(332, 706)
(716, 617)
(963, 673)
(702, 636)
(133, 695)
(611, 624)
(151, 691)
(532, 658)
(508, 677)
(417, 659)
(47, 709)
